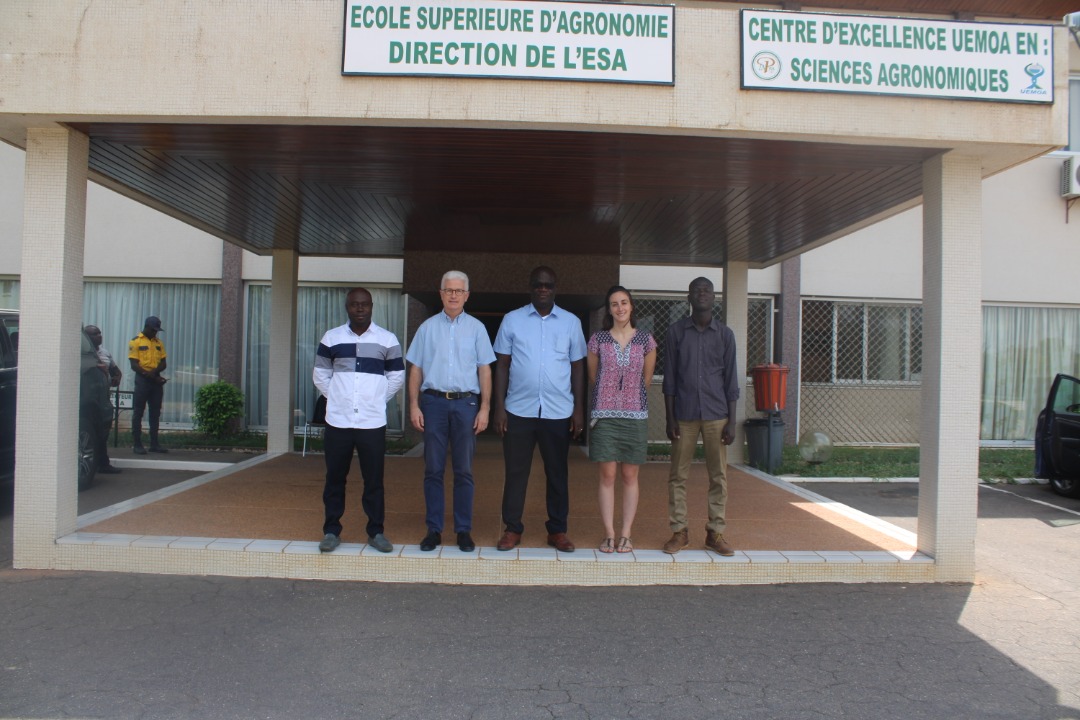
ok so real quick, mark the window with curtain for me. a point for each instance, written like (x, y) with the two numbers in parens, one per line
(189, 318)
(1023, 349)
(318, 308)
(9, 294)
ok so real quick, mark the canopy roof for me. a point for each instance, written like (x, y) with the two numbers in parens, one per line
(377, 191)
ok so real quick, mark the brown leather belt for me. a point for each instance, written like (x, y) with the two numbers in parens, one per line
(448, 395)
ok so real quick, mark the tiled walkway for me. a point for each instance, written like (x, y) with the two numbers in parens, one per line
(263, 517)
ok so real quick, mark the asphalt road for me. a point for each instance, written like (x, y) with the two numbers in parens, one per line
(104, 645)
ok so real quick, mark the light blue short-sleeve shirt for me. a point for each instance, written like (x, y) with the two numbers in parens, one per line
(541, 350)
(449, 351)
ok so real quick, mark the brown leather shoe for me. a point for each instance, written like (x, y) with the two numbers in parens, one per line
(508, 541)
(717, 543)
(560, 542)
(678, 541)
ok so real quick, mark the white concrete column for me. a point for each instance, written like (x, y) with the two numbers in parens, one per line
(952, 362)
(791, 342)
(281, 395)
(50, 325)
(736, 317)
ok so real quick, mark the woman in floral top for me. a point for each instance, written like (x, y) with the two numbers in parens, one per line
(620, 361)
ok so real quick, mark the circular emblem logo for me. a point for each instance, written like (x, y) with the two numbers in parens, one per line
(1034, 71)
(766, 65)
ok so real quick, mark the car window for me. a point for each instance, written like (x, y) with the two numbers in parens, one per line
(1067, 398)
(9, 345)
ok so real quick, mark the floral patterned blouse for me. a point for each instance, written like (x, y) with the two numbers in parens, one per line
(619, 390)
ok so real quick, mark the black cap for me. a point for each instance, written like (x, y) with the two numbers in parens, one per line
(153, 322)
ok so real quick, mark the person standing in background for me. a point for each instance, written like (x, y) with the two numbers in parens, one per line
(108, 366)
(146, 353)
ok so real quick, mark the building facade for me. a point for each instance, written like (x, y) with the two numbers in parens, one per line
(846, 202)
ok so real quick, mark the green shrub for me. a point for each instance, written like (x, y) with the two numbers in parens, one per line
(217, 407)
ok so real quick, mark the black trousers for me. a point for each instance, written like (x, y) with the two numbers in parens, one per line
(522, 436)
(147, 392)
(338, 447)
(101, 444)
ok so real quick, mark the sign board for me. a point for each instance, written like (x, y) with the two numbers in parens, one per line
(603, 42)
(122, 399)
(897, 56)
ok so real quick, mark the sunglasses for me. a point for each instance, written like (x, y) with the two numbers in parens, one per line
(543, 286)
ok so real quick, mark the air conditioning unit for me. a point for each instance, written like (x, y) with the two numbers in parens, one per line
(1070, 176)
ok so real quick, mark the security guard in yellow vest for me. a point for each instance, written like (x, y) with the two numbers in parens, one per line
(146, 353)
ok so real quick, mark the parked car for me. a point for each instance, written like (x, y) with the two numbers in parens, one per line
(1057, 437)
(9, 338)
(94, 406)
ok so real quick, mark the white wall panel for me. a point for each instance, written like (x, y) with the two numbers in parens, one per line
(644, 278)
(340, 271)
(124, 238)
(881, 261)
(1030, 254)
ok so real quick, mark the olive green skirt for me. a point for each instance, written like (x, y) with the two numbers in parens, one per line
(619, 440)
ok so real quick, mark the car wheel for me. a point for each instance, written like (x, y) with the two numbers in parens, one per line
(1069, 487)
(87, 454)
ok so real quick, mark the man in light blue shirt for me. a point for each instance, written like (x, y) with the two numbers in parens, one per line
(449, 401)
(539, 396)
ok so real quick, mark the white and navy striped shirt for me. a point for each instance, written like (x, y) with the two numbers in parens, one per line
(358, 374)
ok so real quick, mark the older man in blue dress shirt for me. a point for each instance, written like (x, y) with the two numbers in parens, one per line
(449, 401)
(539, 400)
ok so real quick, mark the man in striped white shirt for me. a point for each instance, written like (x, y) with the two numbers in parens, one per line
(359, 368)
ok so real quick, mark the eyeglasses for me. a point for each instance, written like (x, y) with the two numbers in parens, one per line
(454, 292)
(543, 286)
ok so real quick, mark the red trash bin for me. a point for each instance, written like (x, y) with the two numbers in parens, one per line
(770, 387)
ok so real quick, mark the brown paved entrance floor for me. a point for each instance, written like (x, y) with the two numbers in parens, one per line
(280, 499)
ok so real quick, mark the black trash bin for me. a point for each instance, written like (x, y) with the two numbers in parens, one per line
(765, 442)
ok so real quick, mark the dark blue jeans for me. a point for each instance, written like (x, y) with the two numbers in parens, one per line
(449, 423)
(338, 447)
(522, 436)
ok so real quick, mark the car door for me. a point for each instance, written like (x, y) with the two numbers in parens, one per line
(1058, 434)
(9, 333)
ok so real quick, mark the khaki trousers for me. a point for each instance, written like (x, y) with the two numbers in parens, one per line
(682, 454)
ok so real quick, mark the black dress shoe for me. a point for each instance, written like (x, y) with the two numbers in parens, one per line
(431, 541)
(465, 542)
(108, 470)
(139, 450)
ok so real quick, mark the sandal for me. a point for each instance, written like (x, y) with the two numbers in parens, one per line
(625, 545)
(606, 546)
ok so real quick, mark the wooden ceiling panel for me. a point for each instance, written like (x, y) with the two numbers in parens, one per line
(379, 191)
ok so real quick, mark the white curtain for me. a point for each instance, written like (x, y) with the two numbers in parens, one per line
(1023, 349)
(189, 317)
(317, 310)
